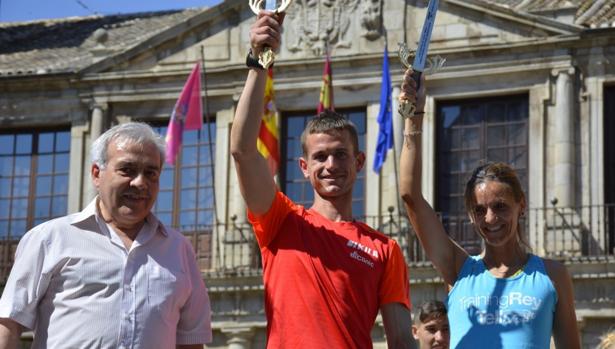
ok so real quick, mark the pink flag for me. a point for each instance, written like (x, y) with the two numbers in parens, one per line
(187, 114)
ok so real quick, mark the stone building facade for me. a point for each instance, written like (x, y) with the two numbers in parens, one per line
(531, 83)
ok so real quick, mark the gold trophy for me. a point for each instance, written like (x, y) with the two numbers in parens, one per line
(267, 56)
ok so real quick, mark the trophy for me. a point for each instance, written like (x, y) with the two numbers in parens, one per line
(407, 109)
(267, 56)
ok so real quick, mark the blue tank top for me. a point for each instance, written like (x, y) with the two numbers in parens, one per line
(489, 312)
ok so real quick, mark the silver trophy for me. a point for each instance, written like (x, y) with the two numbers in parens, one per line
(267, 56)
(407, 109)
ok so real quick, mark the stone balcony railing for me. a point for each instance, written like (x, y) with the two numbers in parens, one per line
(554, 232)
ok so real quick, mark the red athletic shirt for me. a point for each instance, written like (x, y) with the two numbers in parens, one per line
(325, 281)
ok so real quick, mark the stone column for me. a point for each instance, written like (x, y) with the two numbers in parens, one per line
(538, 94)
(97, 122)
(564, 144)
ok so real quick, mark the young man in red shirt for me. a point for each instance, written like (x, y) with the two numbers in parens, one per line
(325, 275)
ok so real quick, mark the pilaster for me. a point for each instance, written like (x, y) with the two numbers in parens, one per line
(564, 140)
(77, 176)
(429, 151)
(373, 198)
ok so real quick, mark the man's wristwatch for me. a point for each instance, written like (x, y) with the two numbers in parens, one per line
(252, 62)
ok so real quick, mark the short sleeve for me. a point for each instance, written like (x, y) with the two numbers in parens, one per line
(28, 281)
(194, 326)
(395, 287)
(266, 226)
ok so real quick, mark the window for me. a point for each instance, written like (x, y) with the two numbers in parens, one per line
(33, 179)
(186, 197)
(470, 132)
(293, 183)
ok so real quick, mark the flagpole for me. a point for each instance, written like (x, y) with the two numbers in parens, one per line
(395, 158)
(211, 154)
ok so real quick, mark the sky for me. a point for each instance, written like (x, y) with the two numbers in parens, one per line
(26, 10)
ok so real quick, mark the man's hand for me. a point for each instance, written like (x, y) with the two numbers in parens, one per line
(409, 93)
(266, 32)
(10, 331)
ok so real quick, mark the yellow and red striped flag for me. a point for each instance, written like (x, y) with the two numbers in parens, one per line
(267, 142)
(326, 90)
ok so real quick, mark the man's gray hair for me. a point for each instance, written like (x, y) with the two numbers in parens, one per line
(132, 132)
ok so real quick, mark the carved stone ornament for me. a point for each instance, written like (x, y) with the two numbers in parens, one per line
(314, 25)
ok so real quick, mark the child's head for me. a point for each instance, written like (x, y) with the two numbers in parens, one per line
(430, 327)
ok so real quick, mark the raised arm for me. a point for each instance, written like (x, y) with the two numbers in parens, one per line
(444, 253)
(256, 184)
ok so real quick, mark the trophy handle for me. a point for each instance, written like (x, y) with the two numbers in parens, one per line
(405, 108)
(404, 55)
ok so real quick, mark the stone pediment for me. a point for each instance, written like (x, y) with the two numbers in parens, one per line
(310, 27)
(345, 27)
(461, 24)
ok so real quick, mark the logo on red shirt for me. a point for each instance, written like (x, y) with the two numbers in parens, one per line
(363, 248)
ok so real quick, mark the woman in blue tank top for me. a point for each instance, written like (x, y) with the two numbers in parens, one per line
(505, 297)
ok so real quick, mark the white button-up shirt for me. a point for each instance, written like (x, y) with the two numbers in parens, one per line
(77, 286)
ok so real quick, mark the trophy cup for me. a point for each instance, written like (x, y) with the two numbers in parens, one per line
(267, 56)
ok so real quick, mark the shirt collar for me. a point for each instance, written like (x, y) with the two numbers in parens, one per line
(91, 212)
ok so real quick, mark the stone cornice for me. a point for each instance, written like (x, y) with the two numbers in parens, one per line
(344, 78)
(534, 21)
(309, 63)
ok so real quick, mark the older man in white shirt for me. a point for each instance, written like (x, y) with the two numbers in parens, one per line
(112, 275)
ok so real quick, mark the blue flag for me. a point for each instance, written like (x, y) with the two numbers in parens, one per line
(385, 116)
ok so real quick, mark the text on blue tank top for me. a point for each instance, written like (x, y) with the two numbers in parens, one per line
(489, 312)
